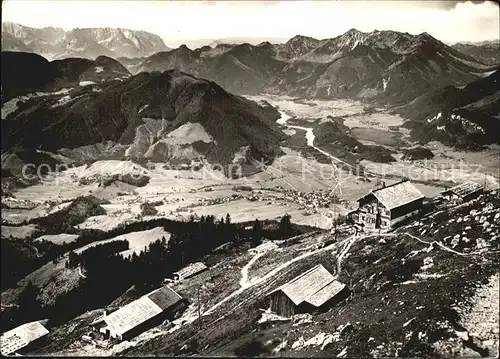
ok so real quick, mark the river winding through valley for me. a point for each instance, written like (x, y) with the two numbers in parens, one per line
(308, 134)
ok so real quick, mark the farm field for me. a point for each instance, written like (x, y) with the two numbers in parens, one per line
(21, 232)
(137, 240)
(57, 238)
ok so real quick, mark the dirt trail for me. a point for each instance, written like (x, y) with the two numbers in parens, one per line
(80, 272)
(244, 271)
(439, 244)
(259, 280)
(343, 253)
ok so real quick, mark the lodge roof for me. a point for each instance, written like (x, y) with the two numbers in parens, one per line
(141, 310)
(464, 189)
(397, 194)
(315, 286)
(21, 336)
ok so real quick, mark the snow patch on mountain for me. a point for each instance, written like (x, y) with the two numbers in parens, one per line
(437, 117)
(467, 124)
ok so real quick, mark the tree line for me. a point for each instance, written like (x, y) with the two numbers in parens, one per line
(108, 273)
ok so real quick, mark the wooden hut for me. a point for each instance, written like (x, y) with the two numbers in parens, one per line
(311, 291)
(384, 207)
(190, 270)
(463, 192)
(142, 314)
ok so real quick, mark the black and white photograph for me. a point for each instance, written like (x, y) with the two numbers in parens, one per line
(215, 178)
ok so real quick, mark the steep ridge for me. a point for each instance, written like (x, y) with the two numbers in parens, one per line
(137, 117)
(468, 117)
(23, 73)
(430, 64)
(182, 59)
(297, 47)
(244, 68)
(55, 43)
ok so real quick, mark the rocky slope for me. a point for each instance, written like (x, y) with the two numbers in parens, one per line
(427, 289)
(55, 43)
(413, 293)
(467, 117)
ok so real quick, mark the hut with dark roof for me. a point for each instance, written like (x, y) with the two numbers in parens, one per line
(313, 290)
(463, 192)
(143, 314)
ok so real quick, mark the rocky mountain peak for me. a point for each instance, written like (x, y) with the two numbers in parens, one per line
(55, 43)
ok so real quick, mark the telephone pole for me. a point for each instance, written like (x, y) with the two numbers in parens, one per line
(199, 307)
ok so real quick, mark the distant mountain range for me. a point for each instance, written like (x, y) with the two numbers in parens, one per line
(104, 111)
(247, 40)
(486, 51)
(55, 43)
(478, 43)
(380, 65)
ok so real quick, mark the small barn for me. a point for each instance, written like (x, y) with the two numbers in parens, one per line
(463, 192)
(22, 337)
(190, 270)
(264, 247)
(309, 292)
(388, 205)
(142, 314)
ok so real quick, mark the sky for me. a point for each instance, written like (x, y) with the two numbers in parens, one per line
(180, 21)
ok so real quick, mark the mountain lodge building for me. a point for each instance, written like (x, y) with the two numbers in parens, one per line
(383, 207)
